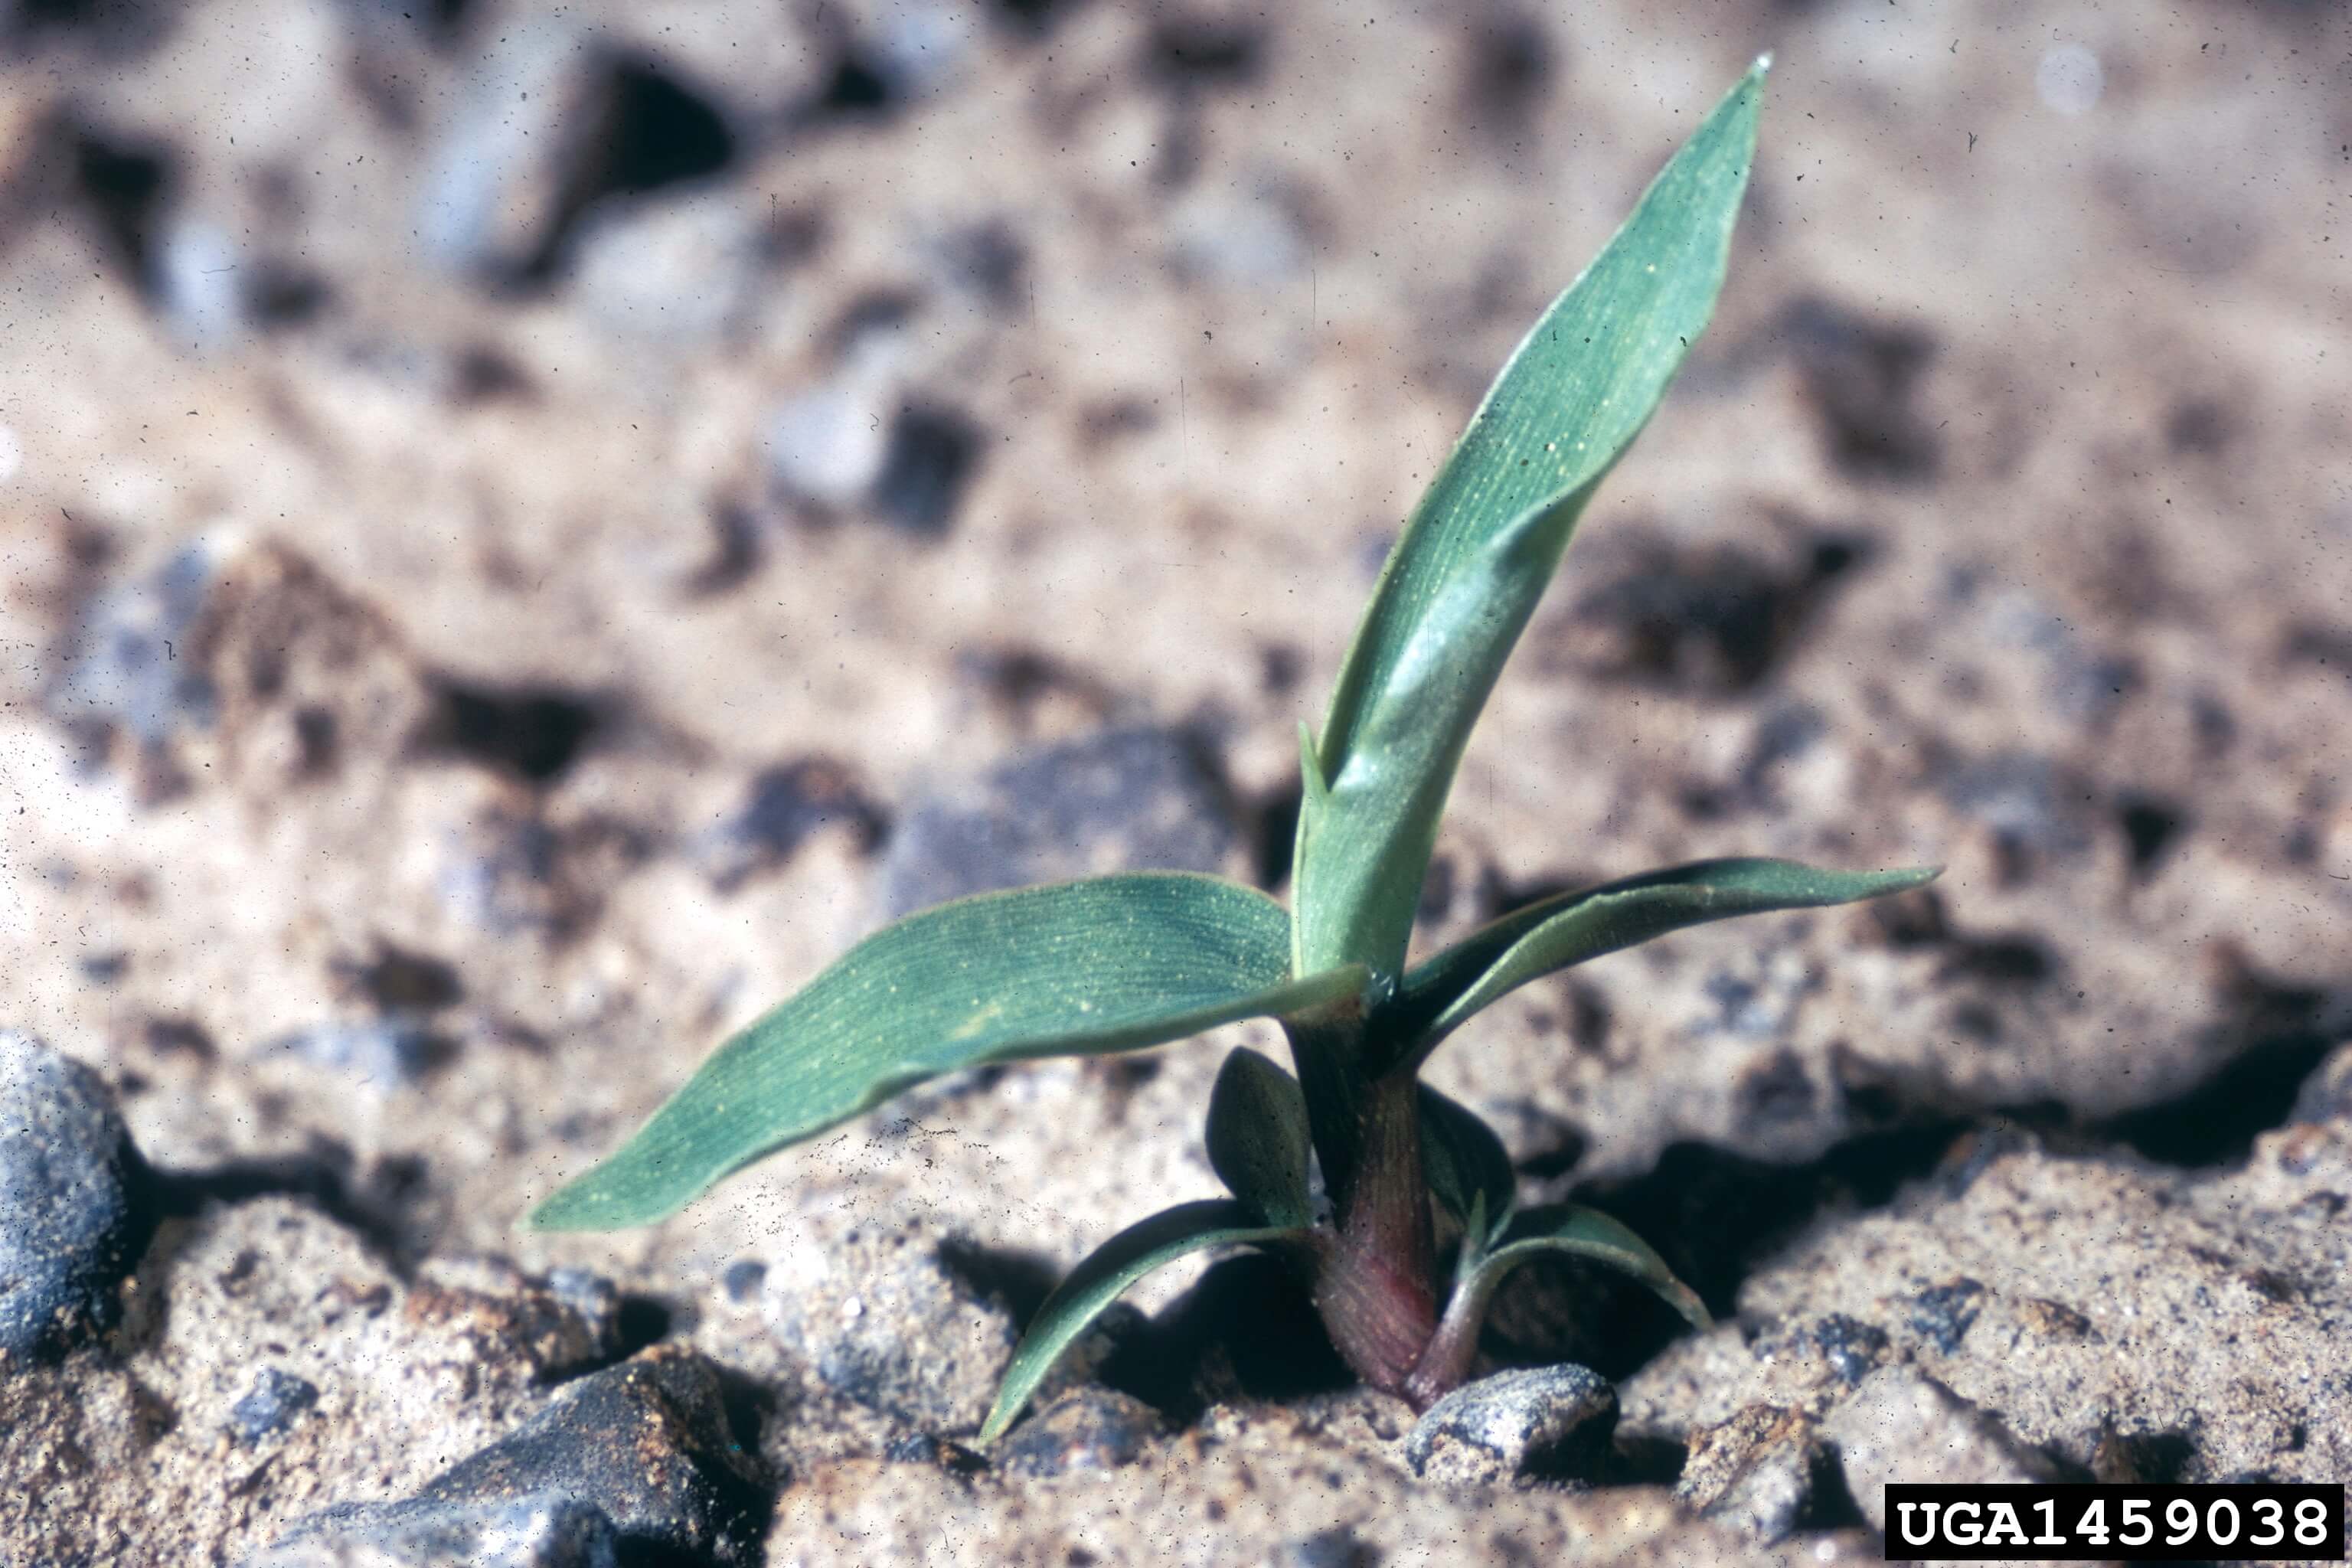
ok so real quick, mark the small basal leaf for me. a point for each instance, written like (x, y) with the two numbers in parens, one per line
(1114, 964)
(1466, 1165)
(1441, 992)
(1486, 539)
(1105, 1276)
(1563, 1229)
(1257, 1138)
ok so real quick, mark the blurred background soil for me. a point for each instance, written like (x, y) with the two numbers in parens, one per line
(528, 528)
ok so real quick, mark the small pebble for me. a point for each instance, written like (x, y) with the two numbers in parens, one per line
(276, 1400)
(380, 1052)
(544, 1531)
(1851, 1347)
(1088, 1429)
(1757, 1472)
(744, 1279)
(1120, 799)
(1546, 1423)
(1943, 1313)
(1336, 1548)
(72, 1221)
(643, 1446)
(882, 1320)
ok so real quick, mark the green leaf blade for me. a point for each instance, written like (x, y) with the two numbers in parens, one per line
(1106, 1275)
(1484, 542)
(1447, 990)
(1112, 963)
(1564, 1229)
(1466, 1166)
(1258, 1138)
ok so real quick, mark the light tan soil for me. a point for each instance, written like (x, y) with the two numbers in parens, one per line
(2003, 518)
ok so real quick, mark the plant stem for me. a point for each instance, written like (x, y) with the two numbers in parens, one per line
(1446, 1365)
(1375, 1290)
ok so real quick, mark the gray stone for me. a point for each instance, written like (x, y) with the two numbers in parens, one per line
(560, 1326)
(1549, 1423)
(1943, 1314)
(232, 659)
(916, 49)
(925, 469)
(71, 1219)
(1904, 1427)
(554, 122)
(129, 661)
(828, 444)
(2022, 799)
(1337, 1547)
(380, 1052)
(1851, 1347)
(643, 1446)
(492, 194)
(882, 1320)
(856, 444)
(196, 272)
(684, 271)
(744, 1279)
(986, 262)
(1758, 1000)
(593, 1301)
(1755, 1472)
(276, 1399)
(781, 807)
(1121, 799)
(1090, 1428)
(548, 1531)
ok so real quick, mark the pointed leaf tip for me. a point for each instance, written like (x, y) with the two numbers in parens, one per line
(1082, 968)
(1482, 543)
(1571, 1231)
(1444, 991)
(1105, 1276)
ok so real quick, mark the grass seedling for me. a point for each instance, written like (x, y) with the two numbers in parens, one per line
(1122, 963)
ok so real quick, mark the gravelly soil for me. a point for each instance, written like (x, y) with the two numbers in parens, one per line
(527, 531)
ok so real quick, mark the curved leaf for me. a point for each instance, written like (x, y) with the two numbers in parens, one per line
(1466, 1166)
(1257, 1138)
(1114, 964)
(1560, 1228)
(1106, 1275)
(1444, 991)
(1485, 540)
(1564, 1229)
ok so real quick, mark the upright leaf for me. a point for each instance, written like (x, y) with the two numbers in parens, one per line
(1106, 1275)
(1484, 543)
(1444, 991)
(1114, 964)
(1257, 1137)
